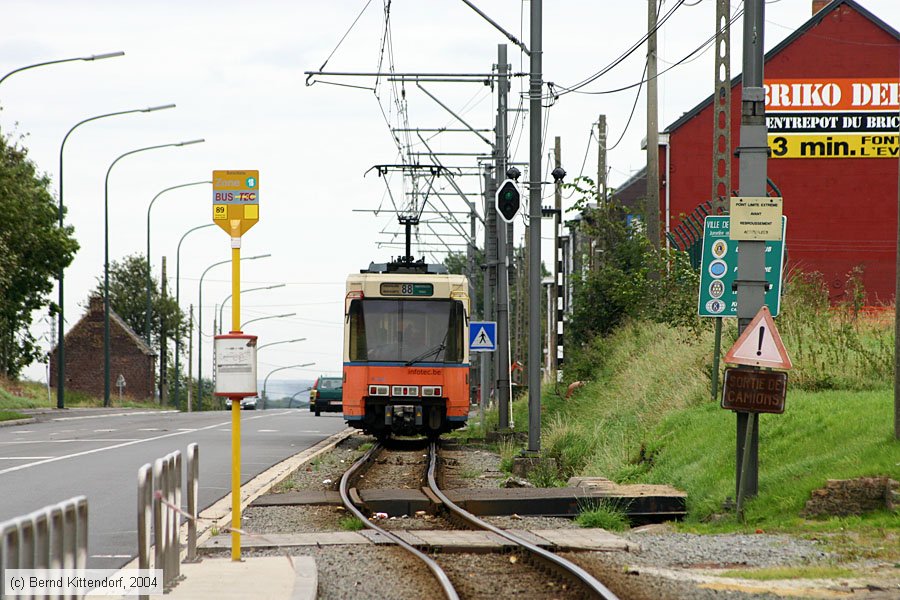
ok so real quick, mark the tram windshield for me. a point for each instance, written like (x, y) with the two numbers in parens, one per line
(410, 331)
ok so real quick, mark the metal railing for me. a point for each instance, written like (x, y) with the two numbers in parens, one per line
(159, 503)
(54, 537)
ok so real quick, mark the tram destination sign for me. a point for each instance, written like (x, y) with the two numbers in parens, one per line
(407, 289)
(754, 390)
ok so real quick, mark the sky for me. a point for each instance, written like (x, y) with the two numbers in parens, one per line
(235, 70)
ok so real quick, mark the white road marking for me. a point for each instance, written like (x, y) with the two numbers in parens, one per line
(104, 430)
(110, 556)
(186, 429)
(152, 429)
(125, 414)
(70, 441)
(24, 431)
(115, 446)
(24, 457)
(267, 431)
(309, 431)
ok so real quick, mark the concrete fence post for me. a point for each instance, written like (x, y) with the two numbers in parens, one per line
(193, 470)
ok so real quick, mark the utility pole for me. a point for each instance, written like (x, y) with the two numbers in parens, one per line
(552, 299)
(163, 346)
(652, 130)
(502, 359)
(601, 161)
(751, 275)
(721, 179)
(534, 208)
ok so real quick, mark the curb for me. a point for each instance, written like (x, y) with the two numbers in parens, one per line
(14, 422)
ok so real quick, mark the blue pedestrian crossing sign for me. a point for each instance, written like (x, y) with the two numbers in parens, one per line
(482, 336)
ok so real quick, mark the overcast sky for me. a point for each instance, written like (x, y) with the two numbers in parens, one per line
(235, 71)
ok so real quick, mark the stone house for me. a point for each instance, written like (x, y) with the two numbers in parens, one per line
(130, 357)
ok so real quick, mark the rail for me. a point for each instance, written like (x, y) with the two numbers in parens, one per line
(53, 537)
(159, 507)
(557, 563)
(432, 565)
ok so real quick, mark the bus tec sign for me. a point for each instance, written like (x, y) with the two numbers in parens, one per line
(235, 200)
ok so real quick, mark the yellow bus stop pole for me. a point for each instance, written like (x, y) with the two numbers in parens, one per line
(235, 408)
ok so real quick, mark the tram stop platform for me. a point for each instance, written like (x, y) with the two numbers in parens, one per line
(270, 577)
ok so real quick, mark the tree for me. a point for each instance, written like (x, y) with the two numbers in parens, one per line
(33, 250)
(128, 298)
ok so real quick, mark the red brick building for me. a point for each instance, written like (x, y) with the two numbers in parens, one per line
(832, 111)
(130, 357)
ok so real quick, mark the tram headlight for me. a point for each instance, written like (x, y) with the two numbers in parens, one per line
(431, 391)
(379, 390)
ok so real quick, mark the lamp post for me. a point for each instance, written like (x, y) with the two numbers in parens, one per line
(106, 257)
(258, 348)
(63, 60)
(149, 282)
(178, 304)
(266, 287)
(264, 318)
(200, 324)
(291, 401)
(61, 345)
(266, 380)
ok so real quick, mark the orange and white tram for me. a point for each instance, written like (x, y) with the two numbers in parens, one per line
(406, 355)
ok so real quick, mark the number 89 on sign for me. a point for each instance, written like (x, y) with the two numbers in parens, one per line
(220, 212)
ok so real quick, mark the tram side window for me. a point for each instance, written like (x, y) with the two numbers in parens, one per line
(456, 333)
(357, 332)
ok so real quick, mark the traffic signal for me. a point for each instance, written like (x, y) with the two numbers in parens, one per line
(508, 200)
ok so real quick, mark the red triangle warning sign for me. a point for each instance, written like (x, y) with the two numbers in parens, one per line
(760, 345)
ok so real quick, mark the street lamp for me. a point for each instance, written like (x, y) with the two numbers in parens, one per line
(62, 60)
(245, 323)
(61, 346)
(266, 380)
(149, 284)
(106, 257)
(178, 304)
(266, 287)
(200, 325)
(258, 348)
(291, 401)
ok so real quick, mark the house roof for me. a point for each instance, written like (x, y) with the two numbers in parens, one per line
(120, 322)
(812, 22)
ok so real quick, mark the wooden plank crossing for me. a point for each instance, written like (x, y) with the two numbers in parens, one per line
(468, 541)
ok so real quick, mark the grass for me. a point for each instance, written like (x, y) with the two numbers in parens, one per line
(30, 394)
(285, 485)
(8, 415)
(781, 573)
(604, 516)
(350, 523)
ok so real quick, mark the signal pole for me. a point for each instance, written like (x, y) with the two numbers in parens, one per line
(534, 210)
(502, 360)
(490, 279)
(753, 154)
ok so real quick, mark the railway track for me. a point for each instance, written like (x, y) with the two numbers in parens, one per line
(560, 567)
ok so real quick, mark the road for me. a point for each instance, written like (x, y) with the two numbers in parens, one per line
(98, 453)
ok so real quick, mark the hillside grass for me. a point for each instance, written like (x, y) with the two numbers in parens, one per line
(29, 394)
(647, 416)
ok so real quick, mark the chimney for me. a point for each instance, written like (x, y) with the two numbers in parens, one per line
(818, 5)
(95, 303)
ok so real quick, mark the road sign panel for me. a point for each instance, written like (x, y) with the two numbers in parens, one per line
(754, 390)
(718, 270)
(760, 345)
(482, 336)
(235, 200)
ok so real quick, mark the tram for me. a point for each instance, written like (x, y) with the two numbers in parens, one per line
(406, 354)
